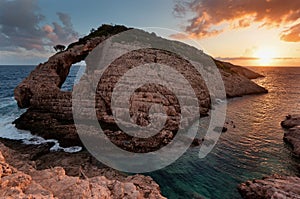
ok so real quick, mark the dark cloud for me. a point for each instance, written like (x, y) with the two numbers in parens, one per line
(65, 19)
(21, 27)
(215, 16)
(61, 34)
(180, 8)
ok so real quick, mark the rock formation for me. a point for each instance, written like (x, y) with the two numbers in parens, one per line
(27, 182)
(291, 121)
(236, 80)
(292, 134)
(271, 187)
(249, 74)
(49, 111)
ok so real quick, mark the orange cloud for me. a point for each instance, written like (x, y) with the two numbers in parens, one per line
(215, 16)
(292, 34)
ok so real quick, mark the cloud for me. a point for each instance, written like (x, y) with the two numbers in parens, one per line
(21, 27)
(61, 34)
(213, 17)
(237, 58)
(250, 51)
(179, 9)
(253, 58)
(292, 34)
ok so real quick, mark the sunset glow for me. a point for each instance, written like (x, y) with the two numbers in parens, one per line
(246, 33)
(265, 56)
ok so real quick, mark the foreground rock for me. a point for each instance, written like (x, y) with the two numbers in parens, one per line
(292, 134)
(49, 111)
(27, 182)
(279, 187)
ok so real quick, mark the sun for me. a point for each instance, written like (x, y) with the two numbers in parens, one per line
(265, 56)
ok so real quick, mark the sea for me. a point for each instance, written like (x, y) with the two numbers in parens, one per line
(253, 146)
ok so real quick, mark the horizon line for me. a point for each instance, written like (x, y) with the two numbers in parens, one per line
(287, 66)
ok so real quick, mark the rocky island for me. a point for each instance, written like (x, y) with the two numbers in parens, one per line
(49, 115)
(49, 111)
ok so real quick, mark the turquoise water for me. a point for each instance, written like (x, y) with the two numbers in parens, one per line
(251, 150)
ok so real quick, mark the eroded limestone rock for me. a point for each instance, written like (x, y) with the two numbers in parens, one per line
(54, 183)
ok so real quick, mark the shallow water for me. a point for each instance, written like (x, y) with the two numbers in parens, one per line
(251, 150)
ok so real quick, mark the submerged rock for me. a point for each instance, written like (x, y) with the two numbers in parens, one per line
(197, 142)
(223, 129)
(279, 187)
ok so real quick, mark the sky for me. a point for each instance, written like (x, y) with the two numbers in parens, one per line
(244, 32)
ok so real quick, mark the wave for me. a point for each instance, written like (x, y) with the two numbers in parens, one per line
(9, 131)
(7, 101)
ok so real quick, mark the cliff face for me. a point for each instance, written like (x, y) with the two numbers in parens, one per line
(49, 111)
(27, 182)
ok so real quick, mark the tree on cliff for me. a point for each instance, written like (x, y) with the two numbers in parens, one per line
(59, 47)
(92, 30)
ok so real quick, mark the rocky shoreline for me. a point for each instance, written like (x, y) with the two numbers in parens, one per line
(20, 178)
(49, 115)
